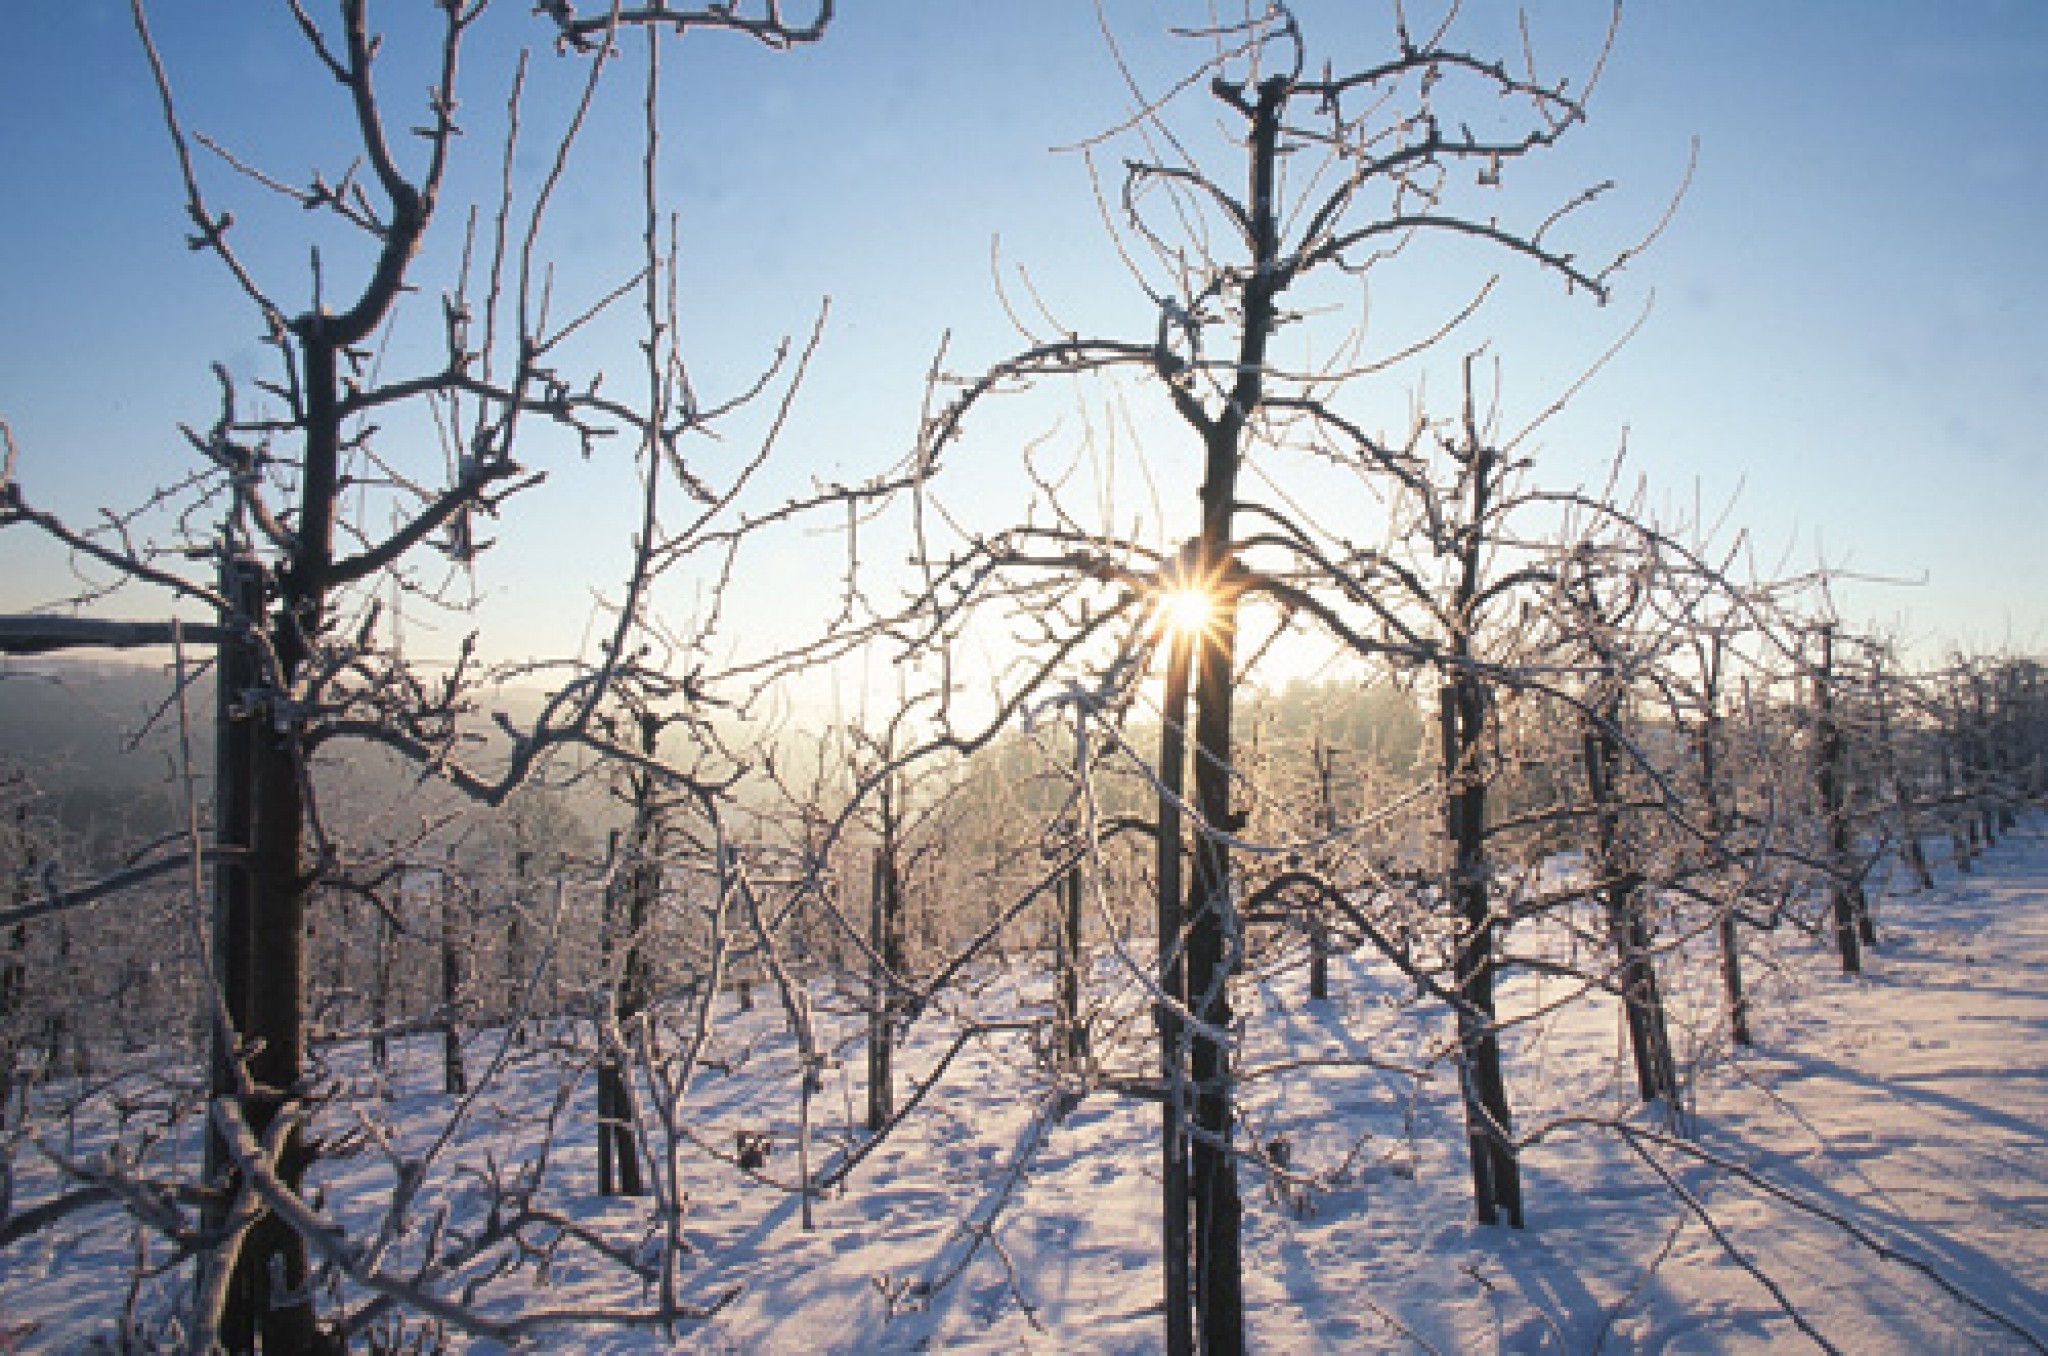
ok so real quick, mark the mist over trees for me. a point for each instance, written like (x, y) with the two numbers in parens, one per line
(1288, 660)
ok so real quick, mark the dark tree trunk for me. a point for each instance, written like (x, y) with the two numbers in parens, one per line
(1830, 765)
(1727, 926)
(339, 941)
(1731, 978)
(259, 940)
(1989, 761)
(1325, 759)
(515, 950)
(13, 991)
(454, 1078)
(1496, 1174)
(1211, 953)
(64, 1049)
(885, 935)
(1961, 836)
(14, 970)
(1462, 718)
(638, 877)
(1910, 849)
(1175, 1242)
(236, 725)
(1212, 925)
(1641, 999)
(1211, 912)
(380, 994)
(268, 1302)
(1072, 1036)
(618, 1143)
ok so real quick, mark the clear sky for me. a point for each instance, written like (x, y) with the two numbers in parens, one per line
(1850, 331)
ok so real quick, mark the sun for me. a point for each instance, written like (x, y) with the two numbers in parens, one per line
(1186, 612)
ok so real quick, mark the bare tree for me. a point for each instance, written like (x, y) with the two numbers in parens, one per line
(343, 483)
(1338, 174)
(1602, 611)
(1896, 765)
(1849, 909)
(25, 847)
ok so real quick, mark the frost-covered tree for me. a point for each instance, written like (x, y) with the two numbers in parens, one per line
(335, 491)
(1255, 192)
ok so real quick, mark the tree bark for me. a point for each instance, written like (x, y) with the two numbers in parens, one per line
(1496, 1174)
(1463, 716)
(274, 1253)
(380, 995)
(885, 935)
(1642, 1000)
(1830, 766)
(1325, 759)
(1708, 745)
(1911, 851)
(1073, 1038)
(1177, 1275)
(1213, 938)
(618, 1140)
(14, 970)
(454, 1077)
(236, 724)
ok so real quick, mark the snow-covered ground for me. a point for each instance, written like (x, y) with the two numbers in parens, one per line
(1872, 1177)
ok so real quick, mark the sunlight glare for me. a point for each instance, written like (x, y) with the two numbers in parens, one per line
(1185, 612)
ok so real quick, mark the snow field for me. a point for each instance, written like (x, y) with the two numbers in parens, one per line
(1871, 1178)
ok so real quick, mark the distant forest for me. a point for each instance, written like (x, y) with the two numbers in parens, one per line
(97, 745)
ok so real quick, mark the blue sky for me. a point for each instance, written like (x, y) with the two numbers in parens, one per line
(1850, 326)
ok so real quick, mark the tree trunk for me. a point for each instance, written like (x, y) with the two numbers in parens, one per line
(1496, 1174)
(380, 995)
(1952, 793)
(1641, 1000)
(638, 877)
(1991, 757)
(269, 1302)
(1325, 759)
(1727, 926)
(1073, 1038)
(1175, 1242)
(885, 935)
(236, 725)
(618, 1140)
(1845, 893)
(1213, 942)
(270, 1292)
(14, 970)
(454, 1078)
(1903, 796)
(259, 944)
(515, 950)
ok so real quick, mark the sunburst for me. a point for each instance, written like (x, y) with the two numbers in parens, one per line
(1186, 613)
